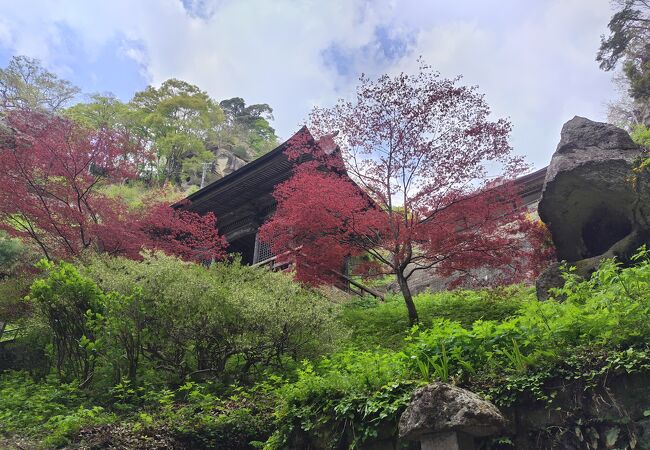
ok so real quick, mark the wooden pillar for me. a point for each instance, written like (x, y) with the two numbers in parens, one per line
(256, 251)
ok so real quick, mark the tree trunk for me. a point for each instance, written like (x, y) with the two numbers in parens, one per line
(408, 299)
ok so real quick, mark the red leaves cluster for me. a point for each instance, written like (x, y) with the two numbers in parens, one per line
(328, 217)
(52, 170)
(185, 234)
(158, 226)
(480, 238)
(322, 214)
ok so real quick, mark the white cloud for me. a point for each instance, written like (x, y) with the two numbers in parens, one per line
(539, 70)
(534, 60)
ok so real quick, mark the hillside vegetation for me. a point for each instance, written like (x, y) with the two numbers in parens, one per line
(138, 354)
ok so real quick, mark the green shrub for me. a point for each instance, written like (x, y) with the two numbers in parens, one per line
(641, 135)
(63, 428)
(235, 422)
(343, 400)
(71, 306)
(226, 321)
(607, 314)
(602, 328)
(503, 344)
(12, 291)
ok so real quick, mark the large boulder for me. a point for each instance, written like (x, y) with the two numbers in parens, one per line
(226, 162)
(590, 201)
(440, 408)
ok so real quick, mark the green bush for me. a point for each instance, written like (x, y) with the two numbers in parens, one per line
(63, 428)
(55, 413)
(130, 331)
(343, 400)
(117, 318)
(503, 344)
(12, 291)
(227, 321)
(641, 135)
(601, 321)
(236, 421)
(71, 305)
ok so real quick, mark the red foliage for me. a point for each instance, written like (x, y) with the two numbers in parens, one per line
(51, 171)
(185, 234)
(323, 213)
(417, 149)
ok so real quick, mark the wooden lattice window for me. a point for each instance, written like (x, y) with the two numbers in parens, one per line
(262, 250)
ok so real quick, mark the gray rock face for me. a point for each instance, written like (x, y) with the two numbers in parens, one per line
(589, 202)
(441, 407)
(547, 280)
(581, 133)
(227, 162)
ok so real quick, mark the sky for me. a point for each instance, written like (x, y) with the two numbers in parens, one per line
(533, 59)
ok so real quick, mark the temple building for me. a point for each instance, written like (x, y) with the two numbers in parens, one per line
(243, 199)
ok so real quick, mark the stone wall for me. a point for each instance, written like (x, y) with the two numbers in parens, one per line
(609, 415)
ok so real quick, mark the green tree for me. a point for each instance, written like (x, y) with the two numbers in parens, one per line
(183, 126)
(181, 121)
(24, 83)
(105, 112)
(629, 43)
(247, 128)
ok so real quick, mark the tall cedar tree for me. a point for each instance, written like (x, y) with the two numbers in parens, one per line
(407, 185)
(629, 40)
(52, 171)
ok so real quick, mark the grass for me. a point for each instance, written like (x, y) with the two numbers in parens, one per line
(385, 324)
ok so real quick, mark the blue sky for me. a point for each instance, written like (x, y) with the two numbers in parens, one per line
(533, 59)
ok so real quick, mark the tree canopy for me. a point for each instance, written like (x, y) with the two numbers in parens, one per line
(410, 186)
(178, 121)
(181, 121)
(629, 42)
(248, 128)
(184, 127)
(25, 84)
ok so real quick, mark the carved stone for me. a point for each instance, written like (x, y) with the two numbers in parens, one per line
(442, 416)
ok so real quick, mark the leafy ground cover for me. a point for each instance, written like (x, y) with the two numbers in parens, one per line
(503, 344)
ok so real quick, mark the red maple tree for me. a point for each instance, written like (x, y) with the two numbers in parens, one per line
(52, 171)
(408, 186)
(186, 234)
